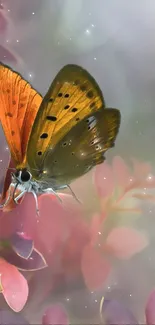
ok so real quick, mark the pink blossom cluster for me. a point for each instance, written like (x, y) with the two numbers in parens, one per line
(62, 244)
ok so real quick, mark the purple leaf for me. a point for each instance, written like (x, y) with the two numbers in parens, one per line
(22, 245)
(9, 318)
(114, 312)
(34, 262)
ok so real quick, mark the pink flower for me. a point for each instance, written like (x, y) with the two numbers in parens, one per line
(119, 189)
(119, 192)
(59, 233)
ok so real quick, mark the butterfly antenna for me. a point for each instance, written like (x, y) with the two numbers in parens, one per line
(11, 168)
(73, 194)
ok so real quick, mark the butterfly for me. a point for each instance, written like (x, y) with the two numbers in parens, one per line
(55, 139)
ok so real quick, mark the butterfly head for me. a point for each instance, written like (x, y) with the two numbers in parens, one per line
(22, 176)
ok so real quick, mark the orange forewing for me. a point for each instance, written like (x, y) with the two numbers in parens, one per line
(7, 179)
(19, 104)
(11, 204)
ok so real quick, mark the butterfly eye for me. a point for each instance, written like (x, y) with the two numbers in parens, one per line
(25, 176)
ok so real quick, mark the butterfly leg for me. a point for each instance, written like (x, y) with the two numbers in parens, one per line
(50, 190)
(36, 200)
(19, 196)
(13, 194)
(7, 199)
(73, 194)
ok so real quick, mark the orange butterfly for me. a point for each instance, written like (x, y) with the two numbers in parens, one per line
(58, 138)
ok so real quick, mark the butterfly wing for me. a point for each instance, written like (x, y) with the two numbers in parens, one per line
(81, 148)
(72, 96)
(19, 103)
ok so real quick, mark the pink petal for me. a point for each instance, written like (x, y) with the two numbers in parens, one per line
(73, 248)
(96, 226)
(150, 309)
(146, 197)
(94, 267)
(121, 172)
(56, 220)
(52, 225)
(14, 286)
(124, 242)
(104, 180)
(55, 315)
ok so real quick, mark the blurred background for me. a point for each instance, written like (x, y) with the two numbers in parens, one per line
(114, 40)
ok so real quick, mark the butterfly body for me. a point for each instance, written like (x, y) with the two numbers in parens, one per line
(58, 138)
